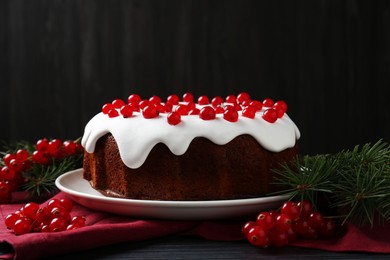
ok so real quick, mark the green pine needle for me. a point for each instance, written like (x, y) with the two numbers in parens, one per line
(357, 182)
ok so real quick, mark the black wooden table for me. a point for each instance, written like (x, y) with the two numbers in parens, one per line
(177, 247)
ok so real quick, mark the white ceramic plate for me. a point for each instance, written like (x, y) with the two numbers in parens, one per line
(79, 189)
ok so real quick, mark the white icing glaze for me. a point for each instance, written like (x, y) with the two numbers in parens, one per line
(136, 136)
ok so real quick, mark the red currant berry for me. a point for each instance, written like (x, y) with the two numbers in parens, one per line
(291, 235)
(52, 203)
(182, 109)
(155, 100)
(242, 97)
(134, 107)
(5, 188)
(134, 98)
(22, 226)
(270, 115)
(230, 115)
(207, 113)
(257, 105)
(268, 102)
(58, 224)
(71, 227)
(42, 145)
(126, 111)
(16, 165)
(279, 112)
(249, 112)
(265, 219)
(55, 148)
(247, 226)
(191, 105)
(113, 113)
(174, 118)
(291, 209)
(7, 173)
(316, 220)
(10, 220)
(194, 111)
(168, 107)
(29, 210)
(40, 157)
(174, 99)
(67, 204)
(216, 101)
(106, 108)
(22, 155)
(188, 97)
(231, 99)
(160, 107)
(59, 212)
(144, 103)
(282, 105)
(283, 222)
(43, 215)
(8, 157)
(219, 110)
(203, 100)
(78, 221)
(301, 227)
(258, 236)
(328, 229)
(305, 207)
(45, 228)
(117, 103)
(278, 238)
(150, 111)
(69, 147)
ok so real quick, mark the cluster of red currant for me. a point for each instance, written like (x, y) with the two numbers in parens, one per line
(229, 107)
(15, 164)
(293, 221)
(54, 217)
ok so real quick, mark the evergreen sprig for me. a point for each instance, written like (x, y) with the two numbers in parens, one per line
(41, 178)
(357, 182)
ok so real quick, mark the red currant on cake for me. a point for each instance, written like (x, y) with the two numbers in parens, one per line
(230, 115)
(249, 112)
(118, 103)
(203, 100)
(150, 111)
(270, 115)
(174, 118)
(268, 102)
(126, 111)
(216, 101)
(231, 99)
(174, 99)
(243, 97)
(134, 98)
(155, 100)
(188, 97)
(207, 113)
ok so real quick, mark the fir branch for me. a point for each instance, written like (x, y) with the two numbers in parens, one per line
(41, 179)
(357, 180)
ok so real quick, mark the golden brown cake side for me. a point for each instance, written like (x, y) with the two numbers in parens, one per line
(206, 171)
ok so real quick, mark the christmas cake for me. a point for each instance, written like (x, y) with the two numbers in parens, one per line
(182, 149)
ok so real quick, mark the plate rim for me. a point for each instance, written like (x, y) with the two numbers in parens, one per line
(162, 203)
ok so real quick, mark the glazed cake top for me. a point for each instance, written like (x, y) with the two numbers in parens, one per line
(138, 131)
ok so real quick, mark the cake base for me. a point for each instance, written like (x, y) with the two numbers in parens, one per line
(240, 169)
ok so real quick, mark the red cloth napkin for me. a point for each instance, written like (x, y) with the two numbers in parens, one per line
(105, 229)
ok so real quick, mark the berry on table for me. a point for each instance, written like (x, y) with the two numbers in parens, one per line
(286, 225)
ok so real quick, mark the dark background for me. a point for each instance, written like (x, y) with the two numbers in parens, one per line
(60, 61)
